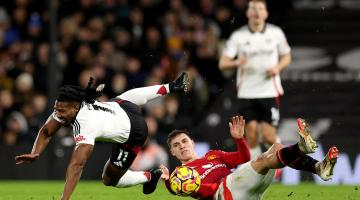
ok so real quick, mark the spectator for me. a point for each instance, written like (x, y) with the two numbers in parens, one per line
(123, 43)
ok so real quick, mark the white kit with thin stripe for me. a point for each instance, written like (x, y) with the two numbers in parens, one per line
(262, 51)
(101, 121)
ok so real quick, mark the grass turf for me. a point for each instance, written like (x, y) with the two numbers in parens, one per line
(94, 190)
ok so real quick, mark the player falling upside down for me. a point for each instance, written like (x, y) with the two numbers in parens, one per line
(250, 180)
(118, 121)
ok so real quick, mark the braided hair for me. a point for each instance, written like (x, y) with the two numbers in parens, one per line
(78, 94)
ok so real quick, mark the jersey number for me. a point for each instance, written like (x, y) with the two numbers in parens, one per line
(96, 107)
(121, 158)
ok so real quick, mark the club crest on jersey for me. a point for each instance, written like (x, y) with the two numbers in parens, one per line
(207, 166)
(212, 157)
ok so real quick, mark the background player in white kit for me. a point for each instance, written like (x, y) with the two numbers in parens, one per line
(262, 52)
(251, 179)
(118, 121)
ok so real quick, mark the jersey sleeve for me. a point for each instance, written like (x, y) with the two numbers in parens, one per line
(231, 47)
(83, 133)
(283, 45)
(233, 159)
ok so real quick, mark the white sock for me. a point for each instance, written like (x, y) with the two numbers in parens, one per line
(140, 96)
(131, 178)
(255, 152)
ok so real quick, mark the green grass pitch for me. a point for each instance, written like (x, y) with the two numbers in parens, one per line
(94, 190)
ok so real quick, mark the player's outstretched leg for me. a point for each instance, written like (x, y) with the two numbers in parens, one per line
(325, 168)
(141, 96)
(295, 156)
(150, 186)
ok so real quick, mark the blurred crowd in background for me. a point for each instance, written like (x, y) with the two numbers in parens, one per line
(124, 44)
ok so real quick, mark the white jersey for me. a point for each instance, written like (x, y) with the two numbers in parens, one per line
(101, 121)
(262, 50)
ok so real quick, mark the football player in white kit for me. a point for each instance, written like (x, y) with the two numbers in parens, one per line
(259, 51)
(251, 179)
(118, 121)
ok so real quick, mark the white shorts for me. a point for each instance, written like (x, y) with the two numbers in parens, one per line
(244, 184)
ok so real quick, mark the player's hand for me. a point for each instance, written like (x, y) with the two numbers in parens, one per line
(165, 173)
(26, 158)
(237, 127)
(240, 61)
(273, 71)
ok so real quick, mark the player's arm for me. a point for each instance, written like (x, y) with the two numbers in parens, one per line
(50, 127)
(229, 63)
(78, 160)
(285, 56)
(237, 130)
(284, 62)
(165, 177)
(230, 51)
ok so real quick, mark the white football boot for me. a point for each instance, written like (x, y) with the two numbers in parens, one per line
(325, 168)
(307, 144)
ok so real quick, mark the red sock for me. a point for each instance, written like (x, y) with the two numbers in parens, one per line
(148, 175)
(162, 90)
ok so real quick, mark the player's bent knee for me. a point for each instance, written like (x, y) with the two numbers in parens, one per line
(275, 147)
(278, 146)
(260, 164)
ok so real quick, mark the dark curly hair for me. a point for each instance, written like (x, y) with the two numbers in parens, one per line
(72, 93)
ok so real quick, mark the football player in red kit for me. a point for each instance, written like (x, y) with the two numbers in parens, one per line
(216, 164)
(252, 178)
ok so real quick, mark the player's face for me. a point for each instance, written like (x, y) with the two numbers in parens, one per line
(66, 111)
(257, 13)
(183, 148)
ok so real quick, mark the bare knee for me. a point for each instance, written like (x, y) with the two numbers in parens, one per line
(260, 164)
(274, 148)
(277, 146)
(267, 160)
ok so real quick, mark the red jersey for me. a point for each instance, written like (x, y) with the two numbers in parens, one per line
(215, 166)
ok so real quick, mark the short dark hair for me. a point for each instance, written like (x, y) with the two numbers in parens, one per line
(72, 93)
(175, 133)
(261, 1)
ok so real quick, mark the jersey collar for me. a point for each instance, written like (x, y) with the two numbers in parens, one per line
(262, 31)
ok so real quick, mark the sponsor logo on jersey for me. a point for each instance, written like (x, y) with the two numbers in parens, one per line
(207, 166)
(211, 169)
(79, 138)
